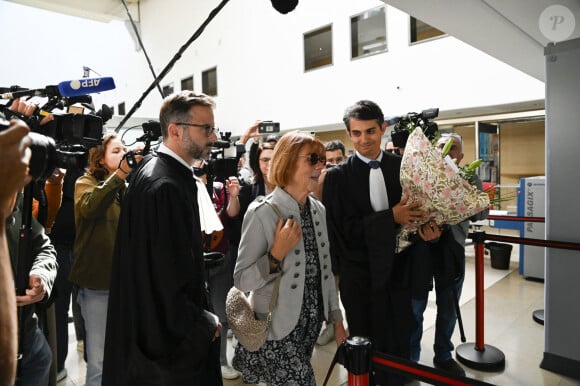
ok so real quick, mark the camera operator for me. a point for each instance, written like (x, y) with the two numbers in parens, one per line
(14, 158)
(97, 197)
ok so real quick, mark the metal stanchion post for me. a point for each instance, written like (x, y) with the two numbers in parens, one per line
(478, 355)
(358, 361)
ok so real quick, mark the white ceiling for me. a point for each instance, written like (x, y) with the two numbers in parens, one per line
(505, 29)
(508, 30)
(99, 10)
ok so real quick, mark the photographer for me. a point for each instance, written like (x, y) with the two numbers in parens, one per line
(254, 157)
(14, 158)
(98, 195)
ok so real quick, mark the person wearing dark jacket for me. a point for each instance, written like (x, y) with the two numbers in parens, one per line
(160, 328)
(444, 263)
(36, 354)
(364, 210)
(62, 236)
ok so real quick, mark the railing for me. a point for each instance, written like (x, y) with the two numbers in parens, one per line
(476, 355)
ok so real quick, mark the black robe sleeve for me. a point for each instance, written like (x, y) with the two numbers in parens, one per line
(159, 329)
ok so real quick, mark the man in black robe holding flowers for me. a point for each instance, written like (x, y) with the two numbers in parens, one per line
(364, 212)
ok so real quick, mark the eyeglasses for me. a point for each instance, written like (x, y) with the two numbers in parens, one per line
(209, 130)
(314, 158)
(265, 159)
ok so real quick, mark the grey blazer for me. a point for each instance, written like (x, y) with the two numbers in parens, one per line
(252, 272)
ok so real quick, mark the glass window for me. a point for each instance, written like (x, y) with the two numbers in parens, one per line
(209, 82)
(368, 33)
(318, 48)
(168, 89)
(121, 108)
(187, 83)
(423, 31)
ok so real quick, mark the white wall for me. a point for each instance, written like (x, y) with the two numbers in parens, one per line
(41, 48)
(259, 56)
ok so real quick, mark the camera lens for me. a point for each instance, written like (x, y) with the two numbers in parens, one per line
(43, 157)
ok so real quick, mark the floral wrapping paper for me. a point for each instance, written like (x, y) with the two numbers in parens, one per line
(426, 176)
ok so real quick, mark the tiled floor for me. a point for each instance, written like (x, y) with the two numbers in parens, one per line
(509, 303)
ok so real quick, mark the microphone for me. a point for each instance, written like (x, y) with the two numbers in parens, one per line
(284, 6)
(77, 87)
(69, 88)
(24, 93)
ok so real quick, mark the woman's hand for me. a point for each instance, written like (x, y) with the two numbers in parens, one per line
(251, 132)
(233, 187)
(340, 334)
(288, 234)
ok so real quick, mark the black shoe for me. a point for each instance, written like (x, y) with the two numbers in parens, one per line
(450, 366)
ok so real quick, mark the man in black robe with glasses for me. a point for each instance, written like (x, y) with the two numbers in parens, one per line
(160, 330)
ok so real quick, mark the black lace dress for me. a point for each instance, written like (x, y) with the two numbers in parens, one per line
(287, 361)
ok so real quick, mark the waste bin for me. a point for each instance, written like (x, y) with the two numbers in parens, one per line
(500, 254)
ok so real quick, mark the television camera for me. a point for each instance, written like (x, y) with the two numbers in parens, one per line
(220, 167)
(404, 125)
(65, 141)
(151, 132)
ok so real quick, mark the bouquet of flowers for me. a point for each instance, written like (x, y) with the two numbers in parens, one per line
(447, 197)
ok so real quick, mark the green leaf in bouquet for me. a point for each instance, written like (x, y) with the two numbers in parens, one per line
(447, 148)
(468, 172)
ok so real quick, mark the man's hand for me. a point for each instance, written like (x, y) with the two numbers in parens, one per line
(430, 231)
(34, 293)
(408, 213)
(27, 109)
(56, 177)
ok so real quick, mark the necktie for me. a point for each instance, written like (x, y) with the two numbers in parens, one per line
(209, 219)
(377, 187)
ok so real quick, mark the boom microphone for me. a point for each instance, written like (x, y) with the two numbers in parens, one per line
(72, 88)
(69, 88)
(284, 6)
(49, 90)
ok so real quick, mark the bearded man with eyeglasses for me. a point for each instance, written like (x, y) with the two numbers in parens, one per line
(160, 328)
